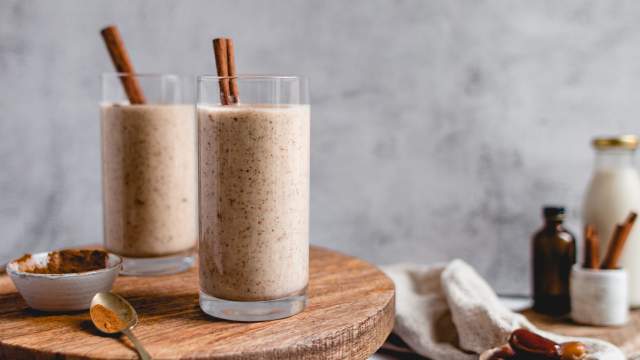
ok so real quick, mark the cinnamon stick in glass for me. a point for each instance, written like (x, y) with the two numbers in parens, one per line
(220, 53)
(231, 70)
(122, 63)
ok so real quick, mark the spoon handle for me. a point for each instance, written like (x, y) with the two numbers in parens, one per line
(144, 355)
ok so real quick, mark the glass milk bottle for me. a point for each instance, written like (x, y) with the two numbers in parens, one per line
(613, 192)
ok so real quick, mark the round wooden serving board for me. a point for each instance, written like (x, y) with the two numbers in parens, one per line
(349, 315)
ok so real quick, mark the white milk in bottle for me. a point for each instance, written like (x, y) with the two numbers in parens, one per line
(613, 192)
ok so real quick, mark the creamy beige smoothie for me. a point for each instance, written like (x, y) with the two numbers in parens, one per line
(148, 176)
(254, 201)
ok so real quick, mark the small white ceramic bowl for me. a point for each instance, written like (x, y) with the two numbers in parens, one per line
(63, 292)
(599, 297)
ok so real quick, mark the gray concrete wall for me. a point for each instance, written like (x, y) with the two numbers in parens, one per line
(439, 127)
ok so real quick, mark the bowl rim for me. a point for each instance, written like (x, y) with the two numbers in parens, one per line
(582, 271)
(14, 272)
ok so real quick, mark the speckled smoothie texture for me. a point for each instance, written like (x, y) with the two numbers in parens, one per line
(254, 201)
(148, 179)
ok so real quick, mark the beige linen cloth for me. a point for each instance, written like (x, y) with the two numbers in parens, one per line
(448, 312)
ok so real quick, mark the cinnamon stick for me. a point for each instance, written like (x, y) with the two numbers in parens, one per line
(595, 250)
(122, 63)
(616, 244)
(231, 70)
(631, 219)
(220, 53)
(591, 248)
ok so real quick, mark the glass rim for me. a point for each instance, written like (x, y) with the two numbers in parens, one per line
(143, 75)
(252, 77)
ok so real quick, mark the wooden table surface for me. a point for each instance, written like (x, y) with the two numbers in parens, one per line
(349, 315)
(626, 337)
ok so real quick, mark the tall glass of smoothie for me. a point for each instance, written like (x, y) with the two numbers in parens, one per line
(149, 174)
(253, 197)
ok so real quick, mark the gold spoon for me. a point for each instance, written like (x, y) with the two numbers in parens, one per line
(111, 313)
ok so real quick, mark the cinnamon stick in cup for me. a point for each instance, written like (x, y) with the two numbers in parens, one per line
(617, 242)
(591, 248)
(631, 219)
(122, 63)
(614, 244)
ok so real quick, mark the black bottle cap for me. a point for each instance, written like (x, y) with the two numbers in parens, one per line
(554, 212)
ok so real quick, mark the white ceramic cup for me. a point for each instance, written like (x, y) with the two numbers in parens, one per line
(599, 297)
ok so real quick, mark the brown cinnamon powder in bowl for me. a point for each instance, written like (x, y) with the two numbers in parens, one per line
(65, 262)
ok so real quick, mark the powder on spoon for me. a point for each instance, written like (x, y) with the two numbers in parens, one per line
(106, 320)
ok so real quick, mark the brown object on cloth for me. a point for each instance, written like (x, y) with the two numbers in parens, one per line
(591, 248)
(66, 262)
(107, 319)
(528, 342)
(120, 58)
(617, 242)
(524, 344)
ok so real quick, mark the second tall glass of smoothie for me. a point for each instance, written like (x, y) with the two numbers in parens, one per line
(254, 198)
(148, 175)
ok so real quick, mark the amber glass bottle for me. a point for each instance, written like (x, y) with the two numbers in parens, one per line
(554, 253)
